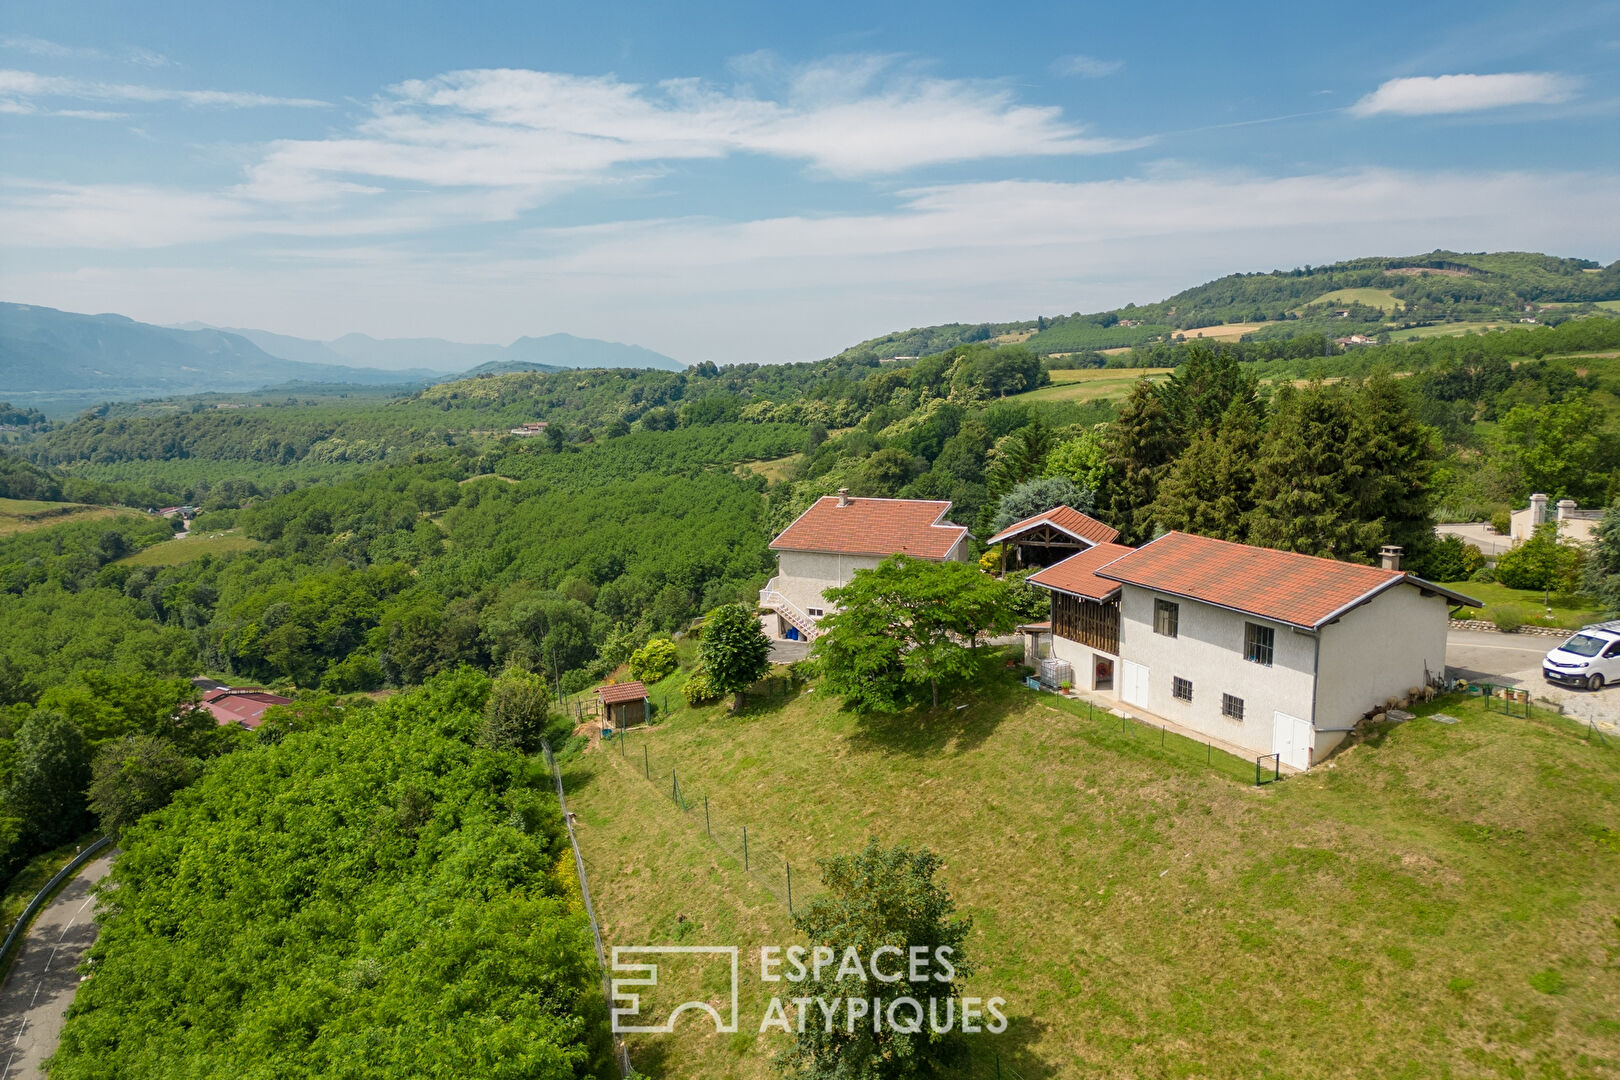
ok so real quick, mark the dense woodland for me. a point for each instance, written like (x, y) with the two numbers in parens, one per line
(407, 542)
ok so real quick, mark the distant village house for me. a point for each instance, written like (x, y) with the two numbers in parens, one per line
(531, 427)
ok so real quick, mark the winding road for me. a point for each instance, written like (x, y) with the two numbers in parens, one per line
(37, 992)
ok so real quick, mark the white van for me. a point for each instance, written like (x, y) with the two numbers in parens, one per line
(1590, 658)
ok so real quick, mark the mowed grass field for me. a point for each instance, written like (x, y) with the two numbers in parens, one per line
(1221, 332)
(1569, 612)
(23, 515)
(189, 548)
(1093, 384)
(1382, 299)
(1443, 900)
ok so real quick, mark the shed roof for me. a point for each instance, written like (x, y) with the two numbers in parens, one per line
(246, 707)
(1065, 519)
(1285, 586)
(873, 527)
(1078, 573)
(617, 693)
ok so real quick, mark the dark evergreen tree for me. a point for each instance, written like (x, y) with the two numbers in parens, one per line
(1304, 498)
(1390, 462)
(1141, 445)
(1210, 489)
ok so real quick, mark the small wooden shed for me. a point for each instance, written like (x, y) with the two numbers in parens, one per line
(623, 704)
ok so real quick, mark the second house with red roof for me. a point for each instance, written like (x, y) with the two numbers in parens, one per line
(839, 535)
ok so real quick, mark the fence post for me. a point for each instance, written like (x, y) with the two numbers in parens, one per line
(1161, 737)
(1256, 772)
(1209, 753)
(998, 1067)
(745, 847)
(706, 827)
(646, 761)
(790, 885)
(674, 788)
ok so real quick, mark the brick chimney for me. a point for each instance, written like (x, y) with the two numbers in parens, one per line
(843, 496)
(1389, 556)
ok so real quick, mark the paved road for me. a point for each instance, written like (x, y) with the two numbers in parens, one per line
(40, 987)
(1516, 661)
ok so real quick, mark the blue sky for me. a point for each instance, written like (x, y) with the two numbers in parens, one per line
(754, 182)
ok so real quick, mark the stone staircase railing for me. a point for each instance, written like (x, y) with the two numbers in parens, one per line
(769, 597)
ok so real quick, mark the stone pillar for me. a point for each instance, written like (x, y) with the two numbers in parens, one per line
(1566, 509)
(1538, 510)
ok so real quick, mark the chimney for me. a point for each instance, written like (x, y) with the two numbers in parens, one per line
(1389, 556)
(1538, 510)
(843, 496)
(1566, 509)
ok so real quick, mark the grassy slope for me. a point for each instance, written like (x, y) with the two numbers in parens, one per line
(23, 515)
(1092, 384)
(185, 549)
(1441, 901)
(1382, 299)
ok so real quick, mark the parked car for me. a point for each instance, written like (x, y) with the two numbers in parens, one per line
(1590, 658)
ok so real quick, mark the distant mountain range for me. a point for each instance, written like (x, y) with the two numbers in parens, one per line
(62, 360)
(554, 351)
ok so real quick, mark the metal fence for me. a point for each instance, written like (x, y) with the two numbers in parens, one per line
(20, 927)
(793, 886)
(621, 1054)
(1123, 731)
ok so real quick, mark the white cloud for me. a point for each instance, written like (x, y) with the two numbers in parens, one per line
(1427, 95)
(36, 46)
(801, 286)
(24, 87)
(1087, 67)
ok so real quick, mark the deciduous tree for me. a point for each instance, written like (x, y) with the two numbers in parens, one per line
(734, 651)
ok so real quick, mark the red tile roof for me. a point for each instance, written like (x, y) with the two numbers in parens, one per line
(1301, 590)
(1068, 519)
(1078, 573)
(615, 693)
(873, 527)
(246, 707)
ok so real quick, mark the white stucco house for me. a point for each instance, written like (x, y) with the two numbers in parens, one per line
(839, 535)
(1269, 650)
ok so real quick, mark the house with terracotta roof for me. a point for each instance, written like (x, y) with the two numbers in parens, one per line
(1049, 538)
(1270, 650)
(839, 535)
(245, 706)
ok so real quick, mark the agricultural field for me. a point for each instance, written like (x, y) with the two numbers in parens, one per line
(1221, 332)
(24, 515)
(1382, 299)
(184, 549)
(1145, 913)
(773, 470)
(1093, 384)
(1448, 329)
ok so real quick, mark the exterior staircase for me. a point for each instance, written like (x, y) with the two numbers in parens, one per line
(770, 598)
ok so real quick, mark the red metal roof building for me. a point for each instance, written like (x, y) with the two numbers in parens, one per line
(246, 706)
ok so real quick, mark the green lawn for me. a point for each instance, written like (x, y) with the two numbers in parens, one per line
(185, 549)
(1382, 299)
(1092, 384)
(1440, 900)
(23, 515)
(1569, 612)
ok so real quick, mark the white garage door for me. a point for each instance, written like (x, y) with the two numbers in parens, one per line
(1133, 683)
(1292, 739)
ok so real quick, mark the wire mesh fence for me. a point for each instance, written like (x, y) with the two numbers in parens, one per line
(1119, 730)
(794, 885)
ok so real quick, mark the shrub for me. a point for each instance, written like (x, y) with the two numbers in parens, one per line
(1450, 559)
(1484, 575)
(1502, 522)
(1507, 617)
(1542, 562)
(700, 689)
(653, 661)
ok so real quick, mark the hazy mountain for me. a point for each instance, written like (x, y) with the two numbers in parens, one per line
(60, 356)
(554, 351)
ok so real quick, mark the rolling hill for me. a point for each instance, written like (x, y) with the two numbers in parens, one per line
(553, 352)
(1417, 293)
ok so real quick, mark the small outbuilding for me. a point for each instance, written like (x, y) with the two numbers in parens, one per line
(623, 704)
(1050, 538)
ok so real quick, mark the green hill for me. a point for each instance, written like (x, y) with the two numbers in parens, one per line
(1382, 294)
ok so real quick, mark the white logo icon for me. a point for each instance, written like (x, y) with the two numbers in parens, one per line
(649, 977)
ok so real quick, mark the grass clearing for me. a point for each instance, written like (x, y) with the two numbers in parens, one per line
(1450, 329)
(1541, 609)
(1093, 384)
(25, 515)
(1396, 913)
(774, 470)
(1382, 299)
(188, 548)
